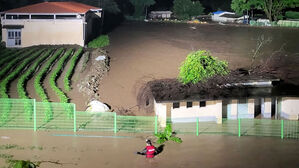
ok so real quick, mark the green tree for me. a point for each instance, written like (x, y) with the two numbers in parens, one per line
(272, 8)
(185, 9)
(199, 66)
(140, 5)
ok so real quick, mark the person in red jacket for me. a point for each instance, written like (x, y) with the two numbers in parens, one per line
(150, 150)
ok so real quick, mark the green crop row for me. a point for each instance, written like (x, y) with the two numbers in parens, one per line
(24, 78)
(14, 61)
(9, 78)
(70, 71)
(15, 72)
(12, 56)
(6, 53)
(54, 76)
(41, 75)
(56, 73)
(39, 80)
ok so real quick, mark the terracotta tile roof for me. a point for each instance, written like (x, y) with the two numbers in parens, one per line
(54, 7)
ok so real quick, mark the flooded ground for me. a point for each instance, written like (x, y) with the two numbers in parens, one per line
(94, 149)
(141, 52)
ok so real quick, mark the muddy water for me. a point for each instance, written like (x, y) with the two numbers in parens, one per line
(145, 51)
(94, 149)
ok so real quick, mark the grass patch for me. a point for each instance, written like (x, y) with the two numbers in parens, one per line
(99, 42)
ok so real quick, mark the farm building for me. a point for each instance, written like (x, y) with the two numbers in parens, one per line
(223, 16)
(160, 14)
(246, 103)
(50, 23)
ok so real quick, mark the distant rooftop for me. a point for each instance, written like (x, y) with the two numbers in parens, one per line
(54, 7)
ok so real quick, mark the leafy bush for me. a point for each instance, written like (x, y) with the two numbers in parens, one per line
(186, 9)
(292, 15)
(199, 66)
(70, 71)
(167, 135)
(101, 41)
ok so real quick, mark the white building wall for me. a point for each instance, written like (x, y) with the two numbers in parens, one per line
(211, 112)
(234, 110)
(266, 107)
(48, 32)
(161, 112)
(290, 108)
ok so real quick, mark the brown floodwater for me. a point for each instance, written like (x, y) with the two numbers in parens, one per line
(141, 52)
(95, 149)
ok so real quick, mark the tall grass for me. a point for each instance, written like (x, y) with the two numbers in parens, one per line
(99, 42)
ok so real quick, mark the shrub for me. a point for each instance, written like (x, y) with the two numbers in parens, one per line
(292, 15)
(101, 41)
(166, 135)
(199, 66)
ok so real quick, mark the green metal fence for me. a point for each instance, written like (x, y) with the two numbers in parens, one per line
(29, 114)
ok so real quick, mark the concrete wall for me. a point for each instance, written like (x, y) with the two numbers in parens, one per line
(290, 108)
(161, 112)
(266, 107)
(211, 112)
(233, 113)
(48, 32)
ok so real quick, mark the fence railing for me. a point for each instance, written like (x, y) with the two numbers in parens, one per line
(29, 114)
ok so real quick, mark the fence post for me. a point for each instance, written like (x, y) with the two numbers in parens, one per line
(197, 126)
(34, 115)
(239, 127)
(115, 124)
(156, 124)
(282, 125)
(75, 118)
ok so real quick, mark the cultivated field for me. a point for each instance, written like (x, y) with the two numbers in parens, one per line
(44, 73)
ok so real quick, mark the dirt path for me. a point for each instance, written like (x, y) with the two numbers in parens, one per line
(93, 149)
(144, 51)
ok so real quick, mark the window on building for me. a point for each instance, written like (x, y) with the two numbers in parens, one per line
(147, 102)
(66, 16)
(42, 16)
(202, 104)
(189, 104)
(176, 105)
(11, 16)
(23, 17)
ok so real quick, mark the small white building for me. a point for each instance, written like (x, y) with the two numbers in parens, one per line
(160, 14)
(224, 16)
(50, 23)
(216, 110)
